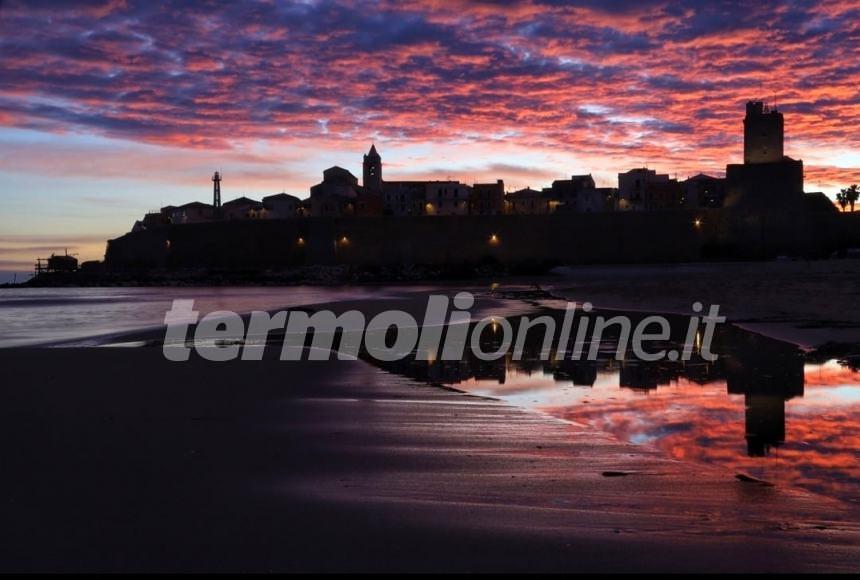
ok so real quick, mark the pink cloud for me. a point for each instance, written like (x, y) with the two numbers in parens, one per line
(664, 82)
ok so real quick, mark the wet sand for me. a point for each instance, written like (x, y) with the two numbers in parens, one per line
(117, 460)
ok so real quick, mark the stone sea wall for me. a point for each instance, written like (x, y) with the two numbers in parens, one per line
(619, 237)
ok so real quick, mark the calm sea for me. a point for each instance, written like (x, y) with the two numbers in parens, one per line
(47, 316)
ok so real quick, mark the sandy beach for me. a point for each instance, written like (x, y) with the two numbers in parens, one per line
(118, 460)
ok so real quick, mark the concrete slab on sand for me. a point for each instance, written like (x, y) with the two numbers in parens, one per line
(809, 303)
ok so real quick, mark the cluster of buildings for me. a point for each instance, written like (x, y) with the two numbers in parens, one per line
(766, 176)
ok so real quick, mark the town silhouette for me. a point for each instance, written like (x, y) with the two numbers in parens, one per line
(383, 229)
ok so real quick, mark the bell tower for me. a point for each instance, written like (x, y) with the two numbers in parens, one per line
(372, 174)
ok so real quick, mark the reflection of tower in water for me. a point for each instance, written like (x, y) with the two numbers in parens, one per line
(765, 423)
(768, 373)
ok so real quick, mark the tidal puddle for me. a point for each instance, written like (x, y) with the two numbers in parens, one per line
(763, 408)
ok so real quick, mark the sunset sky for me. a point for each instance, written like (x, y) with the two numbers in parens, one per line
(112, 108)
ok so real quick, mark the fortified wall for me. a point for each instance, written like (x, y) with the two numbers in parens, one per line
(510, 240)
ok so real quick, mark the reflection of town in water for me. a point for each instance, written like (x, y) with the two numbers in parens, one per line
(735, 411)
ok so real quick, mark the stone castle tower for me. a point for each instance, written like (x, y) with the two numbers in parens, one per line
(763, 134)
(372, 174)
(767, 181)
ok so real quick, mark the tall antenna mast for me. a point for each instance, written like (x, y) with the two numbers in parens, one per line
(216, 190)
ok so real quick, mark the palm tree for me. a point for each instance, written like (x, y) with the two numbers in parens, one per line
(851, 194)
(842, 200)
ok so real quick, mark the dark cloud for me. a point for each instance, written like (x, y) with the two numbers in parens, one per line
(205, 73)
